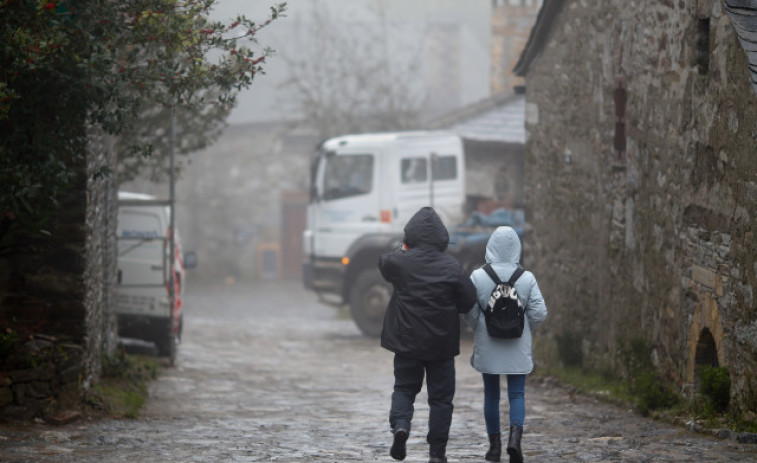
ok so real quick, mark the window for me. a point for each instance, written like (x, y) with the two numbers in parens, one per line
(414, 170)
(348, 175)
(444, 168)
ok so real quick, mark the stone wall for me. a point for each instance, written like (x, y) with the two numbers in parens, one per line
(649, 233)
(100, 274)
(54, 300)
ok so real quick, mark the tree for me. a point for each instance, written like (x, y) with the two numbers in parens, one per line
(196, 128)
(346, 79)
(69, 63)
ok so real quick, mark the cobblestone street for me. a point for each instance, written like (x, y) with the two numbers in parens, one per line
(266, 373)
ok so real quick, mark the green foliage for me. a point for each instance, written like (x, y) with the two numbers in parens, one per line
(652, 393)
(570, 348)
(739, 424)
(123, 388)
(649, 390)
(715, 383)
(590, 382)
(69, 63)
(8, 343)
(645, 388)
(635, 356)
(195, 129)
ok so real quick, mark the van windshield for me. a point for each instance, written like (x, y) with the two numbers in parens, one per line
(347, 175)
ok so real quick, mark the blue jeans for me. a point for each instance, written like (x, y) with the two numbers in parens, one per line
(440, 385)
(516, 394)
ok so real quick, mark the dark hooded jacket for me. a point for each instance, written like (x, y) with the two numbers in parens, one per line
(430, 291)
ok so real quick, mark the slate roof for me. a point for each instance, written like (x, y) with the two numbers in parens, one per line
(499, 118)
(743, 16)
(549, 11)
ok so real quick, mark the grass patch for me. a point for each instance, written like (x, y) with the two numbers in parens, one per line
(122, 390)
(592, 383)
(640, 387)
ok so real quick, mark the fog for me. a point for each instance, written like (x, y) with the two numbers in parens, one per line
(242, 200)
(443, 45)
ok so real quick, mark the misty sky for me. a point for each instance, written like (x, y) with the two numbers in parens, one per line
(267, 100)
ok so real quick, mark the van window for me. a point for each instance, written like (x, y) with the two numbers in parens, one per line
(140, 235)
(348, 175)
(414, 170)
(444, 168)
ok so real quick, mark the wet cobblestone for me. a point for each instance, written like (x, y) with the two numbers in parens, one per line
(267, 374)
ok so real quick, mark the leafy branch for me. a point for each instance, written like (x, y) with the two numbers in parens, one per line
(68, 64)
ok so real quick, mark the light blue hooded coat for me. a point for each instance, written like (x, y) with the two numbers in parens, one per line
(504, 356)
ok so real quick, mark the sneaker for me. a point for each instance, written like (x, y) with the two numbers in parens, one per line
(398, 450)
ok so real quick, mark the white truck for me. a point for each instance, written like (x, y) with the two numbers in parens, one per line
(364, 189)
(146, 307)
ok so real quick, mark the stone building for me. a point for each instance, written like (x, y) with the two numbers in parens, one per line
(511, 23)
(234, 203)
(641, 184)
(56, 299)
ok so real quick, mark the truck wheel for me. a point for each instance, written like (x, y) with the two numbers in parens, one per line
(368, 300)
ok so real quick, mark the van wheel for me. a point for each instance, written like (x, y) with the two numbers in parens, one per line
(369, 297)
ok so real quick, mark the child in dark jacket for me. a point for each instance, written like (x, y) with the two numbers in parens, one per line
(422, 328)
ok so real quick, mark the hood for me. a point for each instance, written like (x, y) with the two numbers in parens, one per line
(425, 229)
(503, 246)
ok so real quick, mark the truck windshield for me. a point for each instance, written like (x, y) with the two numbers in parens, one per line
(347, 175)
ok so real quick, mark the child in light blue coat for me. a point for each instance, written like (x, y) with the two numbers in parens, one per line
(512, 357)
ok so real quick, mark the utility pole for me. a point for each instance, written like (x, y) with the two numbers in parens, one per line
(172, 209)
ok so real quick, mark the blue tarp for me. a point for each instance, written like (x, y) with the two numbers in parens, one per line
(480, 226)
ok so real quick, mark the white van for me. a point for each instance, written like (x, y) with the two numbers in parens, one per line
(143, 305)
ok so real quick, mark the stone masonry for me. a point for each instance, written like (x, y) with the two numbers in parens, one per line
(511, 22)
(55, 299)
(641, 179)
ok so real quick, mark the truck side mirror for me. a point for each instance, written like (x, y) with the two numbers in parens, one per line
(190, 260)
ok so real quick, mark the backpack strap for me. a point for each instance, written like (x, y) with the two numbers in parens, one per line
(493, 275)
(516, 274)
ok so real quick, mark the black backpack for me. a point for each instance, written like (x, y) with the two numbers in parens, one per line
(504, 314)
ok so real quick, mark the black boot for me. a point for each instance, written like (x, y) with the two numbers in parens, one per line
(495, 447)
(398, 445)
(437, 454)
(513, 444)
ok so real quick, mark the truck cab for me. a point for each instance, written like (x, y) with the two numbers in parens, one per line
(364, 189)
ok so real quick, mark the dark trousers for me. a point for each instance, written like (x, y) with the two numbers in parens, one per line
(440, 385)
